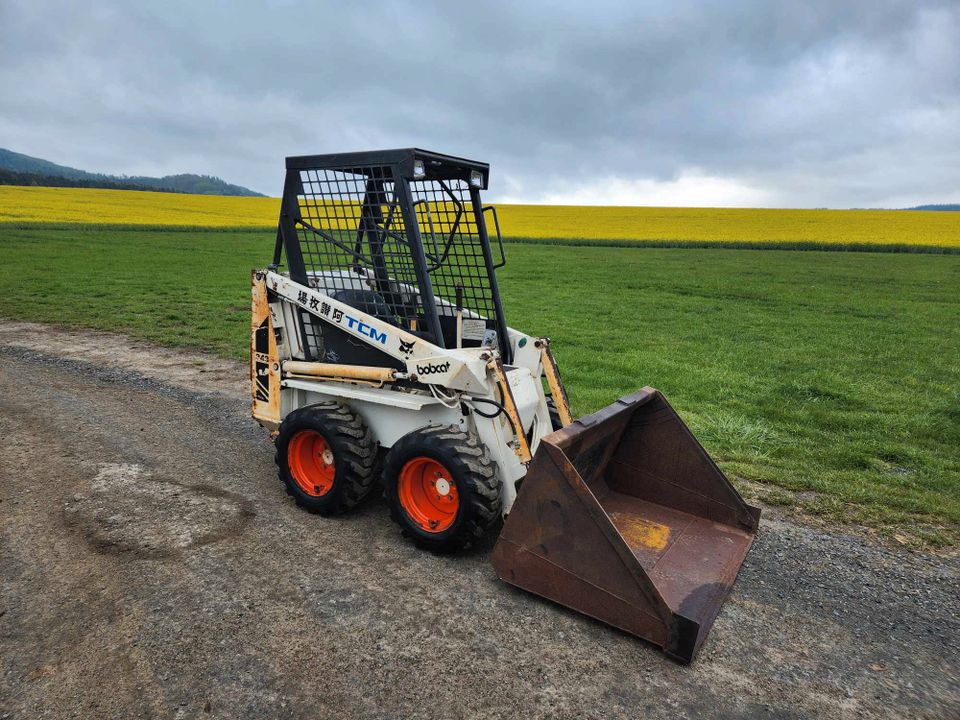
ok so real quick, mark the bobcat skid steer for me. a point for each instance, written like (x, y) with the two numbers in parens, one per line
(381, 352)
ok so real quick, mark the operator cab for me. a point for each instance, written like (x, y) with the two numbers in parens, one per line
(400, 235)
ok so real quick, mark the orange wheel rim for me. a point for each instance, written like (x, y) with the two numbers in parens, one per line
(428, 494)
(311, 462)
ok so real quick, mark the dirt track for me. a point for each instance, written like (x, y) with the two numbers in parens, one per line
(152, 566)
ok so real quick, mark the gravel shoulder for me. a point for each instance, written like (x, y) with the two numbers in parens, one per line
(151, 565)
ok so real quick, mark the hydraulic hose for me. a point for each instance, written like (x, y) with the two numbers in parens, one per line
(499, 406)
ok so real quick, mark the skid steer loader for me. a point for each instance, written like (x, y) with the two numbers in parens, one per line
(380, 350)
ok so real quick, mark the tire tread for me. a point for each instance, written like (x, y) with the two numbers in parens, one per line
(358, 451)
(479, 473)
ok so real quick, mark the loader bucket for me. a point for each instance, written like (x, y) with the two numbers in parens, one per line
(624, 517)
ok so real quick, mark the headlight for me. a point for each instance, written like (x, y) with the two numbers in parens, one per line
(476, 178)
(418, 170)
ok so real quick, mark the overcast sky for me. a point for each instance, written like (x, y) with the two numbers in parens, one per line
(735, 103)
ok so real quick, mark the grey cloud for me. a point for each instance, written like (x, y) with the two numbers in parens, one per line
(814, 103)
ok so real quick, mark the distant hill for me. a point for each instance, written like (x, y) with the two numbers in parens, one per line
(947, 207)
(19, 169)
(9, 177)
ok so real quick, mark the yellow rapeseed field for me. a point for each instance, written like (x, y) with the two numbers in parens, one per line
(133, 207)
(842, 227)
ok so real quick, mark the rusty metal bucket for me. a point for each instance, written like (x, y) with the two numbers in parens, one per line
(624, 517)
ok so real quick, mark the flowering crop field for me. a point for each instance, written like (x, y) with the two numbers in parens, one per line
(761, 227)
(820, 229)
(89, 206)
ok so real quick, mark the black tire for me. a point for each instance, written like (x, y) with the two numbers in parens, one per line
(471, 471)
(555, 421)
(353, 450)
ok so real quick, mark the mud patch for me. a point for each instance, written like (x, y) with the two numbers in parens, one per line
(127, 509)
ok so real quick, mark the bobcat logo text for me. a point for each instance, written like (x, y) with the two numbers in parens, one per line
(431, 369)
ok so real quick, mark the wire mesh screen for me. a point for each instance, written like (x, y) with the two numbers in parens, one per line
(356, 248)
(353, 241)
(455, 257)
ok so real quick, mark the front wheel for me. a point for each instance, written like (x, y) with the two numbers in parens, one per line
(441, 488)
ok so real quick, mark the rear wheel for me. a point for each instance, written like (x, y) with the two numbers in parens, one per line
(441, 488)
(325, 454)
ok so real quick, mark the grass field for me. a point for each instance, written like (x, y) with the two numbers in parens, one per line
(829, 382)
(819, 229)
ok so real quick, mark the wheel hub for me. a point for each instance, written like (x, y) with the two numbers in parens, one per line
(428, 494)
(311, 462)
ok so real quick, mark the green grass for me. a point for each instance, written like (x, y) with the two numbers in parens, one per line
(828, 382)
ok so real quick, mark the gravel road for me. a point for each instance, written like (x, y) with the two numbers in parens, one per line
(152, 566)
